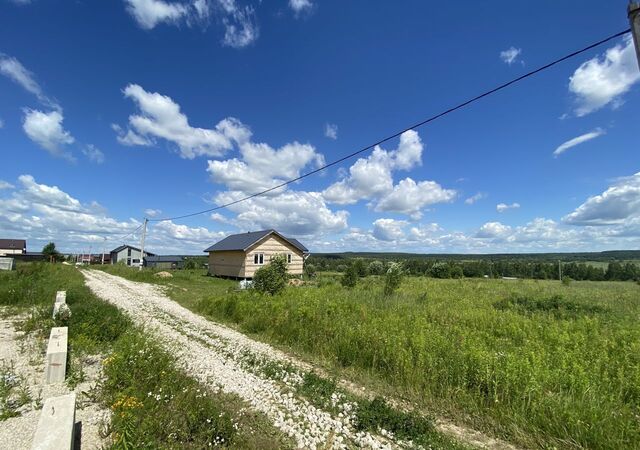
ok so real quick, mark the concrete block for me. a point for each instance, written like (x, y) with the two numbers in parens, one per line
(57, 355)
(61, 297)
(6, 264)
(56, 308)
(56, 424)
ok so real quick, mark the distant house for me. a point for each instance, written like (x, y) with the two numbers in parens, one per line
(240, 255)
(13, 247)
(130, 255)
(164, 262)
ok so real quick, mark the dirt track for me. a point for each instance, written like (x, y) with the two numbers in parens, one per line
(217, 356)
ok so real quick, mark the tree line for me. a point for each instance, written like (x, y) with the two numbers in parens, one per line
(541, 270)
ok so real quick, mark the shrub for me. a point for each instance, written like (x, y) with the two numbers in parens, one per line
(310, 270)
(349, 277)
(272, 278)
(190, 263)
(359, 267)
(376, 268)
(456, 272)
(393, 278)
(440, 270)
(567, 281)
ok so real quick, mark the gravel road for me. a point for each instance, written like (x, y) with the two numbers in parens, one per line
(23, 355)
(224, 359)
(216, 356)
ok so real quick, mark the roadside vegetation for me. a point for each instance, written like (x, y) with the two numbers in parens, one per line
(539, 363)
(153, 403)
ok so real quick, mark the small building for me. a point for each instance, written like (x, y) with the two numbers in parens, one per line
(164, 262)
(240, 255)
(130, 255)
(13, 247)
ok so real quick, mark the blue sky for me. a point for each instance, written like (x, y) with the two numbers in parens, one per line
(111, 111)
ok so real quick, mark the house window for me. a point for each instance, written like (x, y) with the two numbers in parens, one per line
(128, 252)
(258, 258)
(289, 258)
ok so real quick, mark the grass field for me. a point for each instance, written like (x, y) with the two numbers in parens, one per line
(178, 414)
(537, 362)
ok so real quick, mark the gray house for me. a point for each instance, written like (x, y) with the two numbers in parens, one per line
(164, 262)
(130, 255)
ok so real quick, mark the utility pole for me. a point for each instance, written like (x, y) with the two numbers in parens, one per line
(103, 249)
(633, 12)
(144, 234)
(560, 270)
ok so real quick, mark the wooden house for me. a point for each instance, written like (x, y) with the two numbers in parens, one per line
(240, 255)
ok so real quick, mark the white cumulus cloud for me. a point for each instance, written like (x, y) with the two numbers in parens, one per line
(262, 167)
(149, 13)
(604, 80)
(371, 178)
(493, 230)
(47, 131)
(160, 117)
(297, 213)
(299, 6)
(409, 197)
(388, 229)
(618, 204)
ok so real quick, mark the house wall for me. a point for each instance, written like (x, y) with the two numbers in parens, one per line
(227, 264)
(10, 251)
(240, 264)
(123, 255)
(273, 245)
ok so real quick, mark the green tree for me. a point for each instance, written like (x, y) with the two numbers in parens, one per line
(360, 268)
(440, 270)
(393, 278)
(190, 263)
(272, 278)
(376, 268)
(50, 252)
(310, 270)
(350, 277)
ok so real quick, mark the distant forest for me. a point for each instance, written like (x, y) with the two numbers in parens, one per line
(620, 265)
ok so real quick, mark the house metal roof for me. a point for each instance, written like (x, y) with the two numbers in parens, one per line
(13, 243)
(122, 247)
(243, 241)
(165, 258)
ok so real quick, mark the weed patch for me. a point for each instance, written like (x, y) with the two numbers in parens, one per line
(556, 305)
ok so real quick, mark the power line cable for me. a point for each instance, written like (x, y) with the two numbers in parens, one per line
(395, 135)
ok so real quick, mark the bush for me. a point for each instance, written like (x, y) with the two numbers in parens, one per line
(310, 270)
(190, 263)
(360, 268)
(272, 278)
(567, 281)
(393, 278)
(440, 270)
(376, 268)
(456, 272)
(350, 277)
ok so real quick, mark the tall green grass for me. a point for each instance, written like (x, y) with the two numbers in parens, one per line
(540, 363)
(154, 404)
